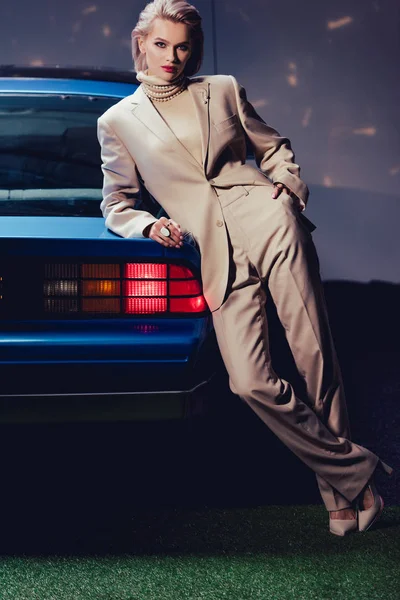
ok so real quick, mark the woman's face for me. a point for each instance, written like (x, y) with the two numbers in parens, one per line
(167, 48)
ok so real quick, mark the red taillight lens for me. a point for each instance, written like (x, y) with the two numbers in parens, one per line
(145, 271)
(144, 306)
(180, 272)
(184, 288)
(188, 305)
(118, 289)
(145, 288)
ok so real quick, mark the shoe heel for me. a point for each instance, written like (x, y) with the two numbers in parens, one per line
(388, 470)
(369, 516)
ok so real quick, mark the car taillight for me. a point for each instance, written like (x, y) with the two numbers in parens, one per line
(144, 306)
(122, 289)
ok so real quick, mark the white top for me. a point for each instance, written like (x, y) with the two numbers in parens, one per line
(180, 116)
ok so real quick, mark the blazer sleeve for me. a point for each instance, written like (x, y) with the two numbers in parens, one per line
(273, 153)
(121, 187)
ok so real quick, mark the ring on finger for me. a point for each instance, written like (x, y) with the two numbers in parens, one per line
(165, 232)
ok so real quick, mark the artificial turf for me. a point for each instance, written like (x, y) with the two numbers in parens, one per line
(262, 552)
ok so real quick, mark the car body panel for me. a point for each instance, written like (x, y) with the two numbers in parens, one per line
(99, 368)
(31, 85)
(54, 227)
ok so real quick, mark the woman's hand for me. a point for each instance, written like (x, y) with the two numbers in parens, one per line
(172, 241)
(279, 187)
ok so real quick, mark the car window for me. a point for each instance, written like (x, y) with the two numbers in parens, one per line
(50, 160)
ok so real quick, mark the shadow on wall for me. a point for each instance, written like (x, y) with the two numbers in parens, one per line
(358, 242)
(357, 235)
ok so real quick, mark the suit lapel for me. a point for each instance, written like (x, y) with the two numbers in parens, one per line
(144, 110)
(200, 93)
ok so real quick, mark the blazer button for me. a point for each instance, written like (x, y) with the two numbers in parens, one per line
(219, 223)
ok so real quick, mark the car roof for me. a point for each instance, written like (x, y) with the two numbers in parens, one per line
(93, 81)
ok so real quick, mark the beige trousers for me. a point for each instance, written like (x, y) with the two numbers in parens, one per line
(270, 246)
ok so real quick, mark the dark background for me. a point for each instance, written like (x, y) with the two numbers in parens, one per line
(324, 74)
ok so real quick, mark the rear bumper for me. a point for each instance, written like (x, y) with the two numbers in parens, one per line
(102, 341)
(119, 371)
(107, 406)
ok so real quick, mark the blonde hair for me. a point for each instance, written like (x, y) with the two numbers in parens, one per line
(177, 11)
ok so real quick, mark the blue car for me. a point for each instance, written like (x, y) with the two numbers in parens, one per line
(93, 326)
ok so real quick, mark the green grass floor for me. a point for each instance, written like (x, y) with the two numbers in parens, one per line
(268, 552)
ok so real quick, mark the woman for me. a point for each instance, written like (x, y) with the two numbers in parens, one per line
(184, 139)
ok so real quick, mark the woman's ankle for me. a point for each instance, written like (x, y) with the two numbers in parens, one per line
(347, 513)
(343, 514)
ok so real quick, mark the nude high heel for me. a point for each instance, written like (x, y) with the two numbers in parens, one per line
(364, 518)
(343, 527)
(369, 516)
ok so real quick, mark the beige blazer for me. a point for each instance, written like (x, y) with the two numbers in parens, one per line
(138, 148)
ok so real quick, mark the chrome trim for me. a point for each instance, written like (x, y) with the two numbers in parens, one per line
(142, 393)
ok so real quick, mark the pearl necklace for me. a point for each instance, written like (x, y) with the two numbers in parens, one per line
(155, 89)
(158, 98)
